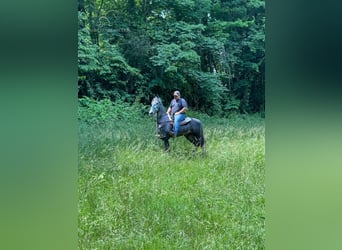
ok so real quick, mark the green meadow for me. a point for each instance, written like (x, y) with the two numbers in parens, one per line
(132, 195)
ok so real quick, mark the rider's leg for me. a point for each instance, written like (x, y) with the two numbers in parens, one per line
(178, 119)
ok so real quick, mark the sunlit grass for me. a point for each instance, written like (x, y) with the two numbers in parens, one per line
(132, 195)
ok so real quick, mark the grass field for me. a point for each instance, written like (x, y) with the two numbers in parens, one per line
(132, 195)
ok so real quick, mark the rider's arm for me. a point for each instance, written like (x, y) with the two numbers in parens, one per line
(168, 110)
(182, 111)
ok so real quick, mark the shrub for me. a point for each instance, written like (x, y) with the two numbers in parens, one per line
(101, 111)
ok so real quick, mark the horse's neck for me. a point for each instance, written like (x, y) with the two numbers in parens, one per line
(161, 114)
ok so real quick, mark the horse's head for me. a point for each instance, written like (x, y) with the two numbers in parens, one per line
(155, 105)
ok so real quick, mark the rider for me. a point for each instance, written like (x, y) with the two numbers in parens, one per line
(177, 108)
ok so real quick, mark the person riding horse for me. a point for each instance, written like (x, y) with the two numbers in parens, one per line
(191, 128)
(177, 110)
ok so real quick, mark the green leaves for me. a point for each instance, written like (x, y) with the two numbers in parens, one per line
(166, 54)
(103, 70)
(114, 63)
(87, 51)
(105, 111)
(171, 57)
(136, 48)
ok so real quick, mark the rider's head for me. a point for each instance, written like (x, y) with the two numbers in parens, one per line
(176, 94)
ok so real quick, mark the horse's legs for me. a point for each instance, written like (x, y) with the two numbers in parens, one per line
(204, 151)
(194, 139)
(166, 144)
(197, 141)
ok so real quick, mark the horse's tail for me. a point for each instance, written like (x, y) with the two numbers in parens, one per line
(202, 140)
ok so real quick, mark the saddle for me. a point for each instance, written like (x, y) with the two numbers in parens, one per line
(185, 121)
(162, 128)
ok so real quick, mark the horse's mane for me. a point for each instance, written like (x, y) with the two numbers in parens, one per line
(157, 98)
(162, 116)
(161, 104)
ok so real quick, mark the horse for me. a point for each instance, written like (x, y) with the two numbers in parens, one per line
(191, 128)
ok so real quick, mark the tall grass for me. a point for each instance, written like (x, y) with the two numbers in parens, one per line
(132, 195)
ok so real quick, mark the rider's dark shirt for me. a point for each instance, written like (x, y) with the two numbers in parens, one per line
(177, 105)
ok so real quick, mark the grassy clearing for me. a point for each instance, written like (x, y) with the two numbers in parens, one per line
(134, 196)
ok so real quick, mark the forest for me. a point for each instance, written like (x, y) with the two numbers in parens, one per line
(213, 51)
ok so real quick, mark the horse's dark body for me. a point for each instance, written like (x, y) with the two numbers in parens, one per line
(193, 130)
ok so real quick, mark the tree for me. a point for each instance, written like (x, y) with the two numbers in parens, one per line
(213, 51)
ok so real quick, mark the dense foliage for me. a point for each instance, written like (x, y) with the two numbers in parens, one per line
(211, 50)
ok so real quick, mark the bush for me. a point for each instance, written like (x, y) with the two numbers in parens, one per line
(101, 111)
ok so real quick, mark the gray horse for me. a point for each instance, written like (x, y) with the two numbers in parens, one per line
(191, 128)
